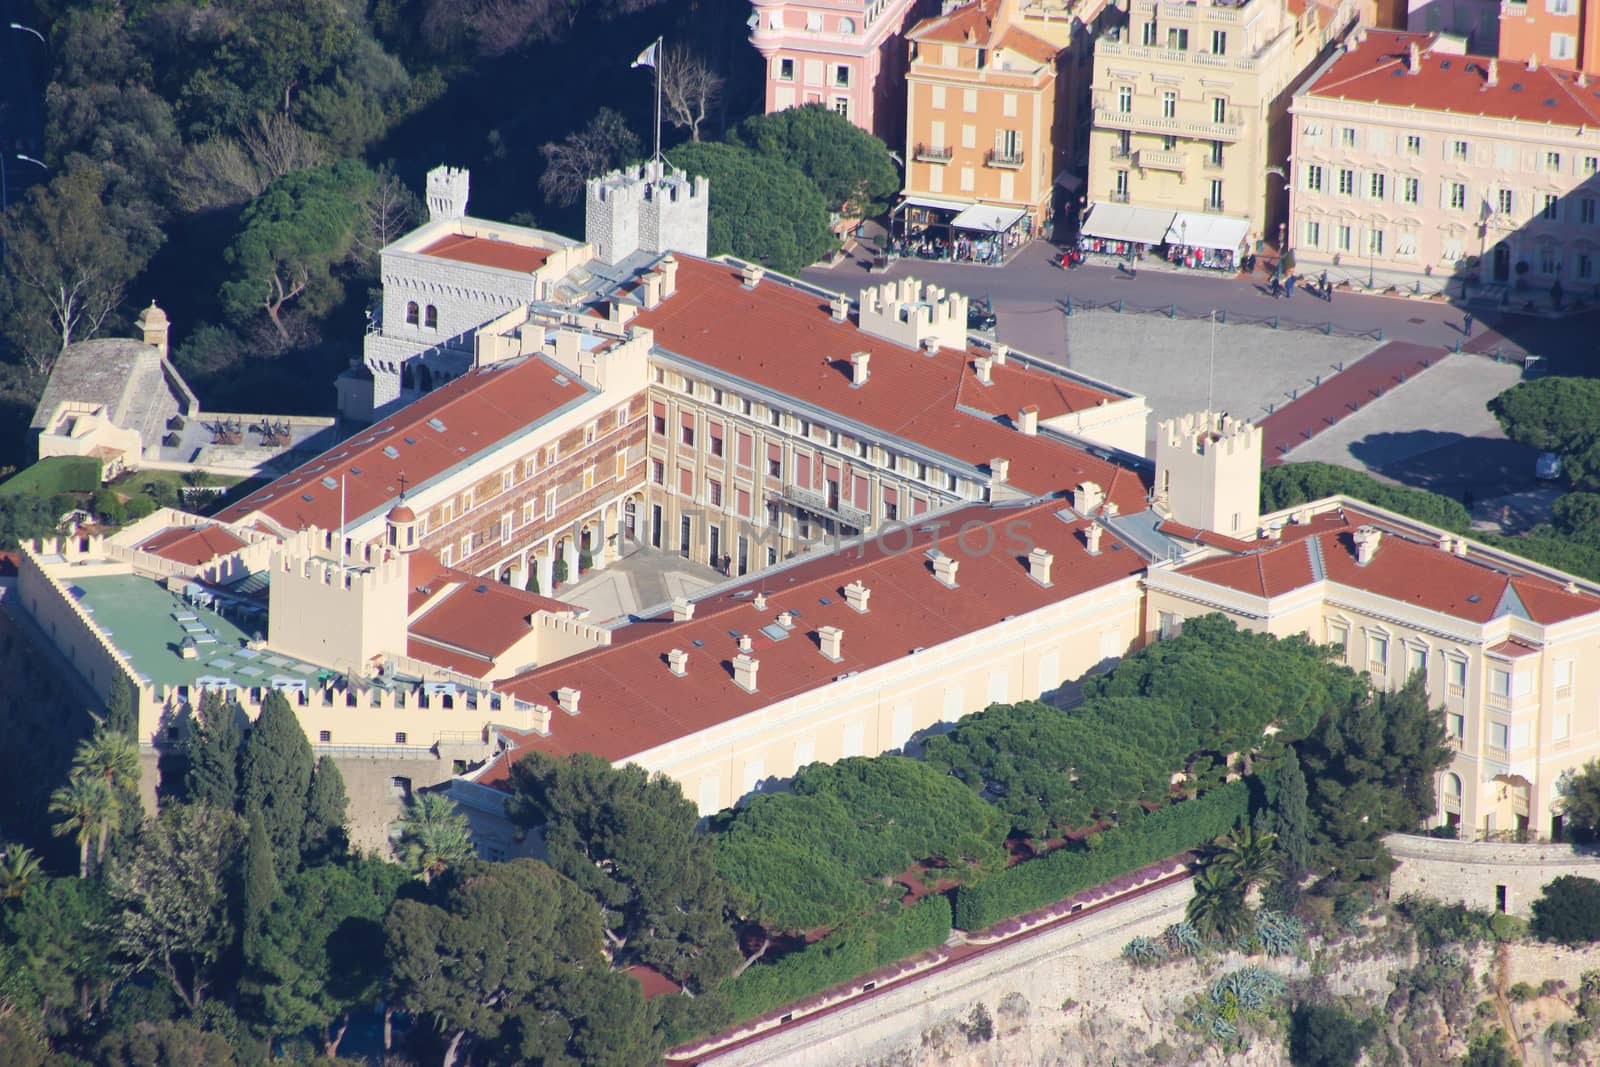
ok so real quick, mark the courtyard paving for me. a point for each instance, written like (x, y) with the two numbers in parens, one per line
(645, 578)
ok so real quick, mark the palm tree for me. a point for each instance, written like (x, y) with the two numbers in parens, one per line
(1217, 908)
(84, 804)
(114, 759)
(1249, 856)
(433, 836)
(19, 868)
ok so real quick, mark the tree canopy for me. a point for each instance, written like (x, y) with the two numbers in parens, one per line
(1580, 802)
(1560, 415)
(275, 777)
(762, 208)
(1288, 484)
(849, 166)
(1568, 911)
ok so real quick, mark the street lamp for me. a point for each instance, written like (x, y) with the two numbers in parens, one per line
(4, 191)
(1372, 250)
(29, 29)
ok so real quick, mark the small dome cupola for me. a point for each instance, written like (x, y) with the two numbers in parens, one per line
(402, 526)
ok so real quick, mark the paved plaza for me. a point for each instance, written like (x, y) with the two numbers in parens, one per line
(644, 579)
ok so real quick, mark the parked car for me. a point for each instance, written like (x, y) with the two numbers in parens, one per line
(980, 316)
(1547, 468)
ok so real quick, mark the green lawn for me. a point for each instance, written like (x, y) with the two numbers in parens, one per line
(58, 474)
(139, 480)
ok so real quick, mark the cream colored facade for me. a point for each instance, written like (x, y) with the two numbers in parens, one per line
(1518, 718)
(1397, 194)
(1207, 469)
(1191, 105)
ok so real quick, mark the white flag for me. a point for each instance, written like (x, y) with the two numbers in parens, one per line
(648, 57)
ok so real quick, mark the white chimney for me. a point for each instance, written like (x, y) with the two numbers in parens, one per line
(1367, 539)
(1301, 517)
(1571, 587)
(1582, 80)
(1492, 78)
(856, 594)
(999, 352)
(1039, 563)
(1273, 533)
(567, 697)
(1533, 62)
(682, 609)
(831, 639)
(985, 376)
(678, 662)
(1445, 541)
(744, 672)
(541, 720)
(746, 643)
(1091, 538)
(999, 470)
(786, 619)
(1028, 420)
(858, 368)
(1414, 59)
(750, 275)
(760, 601)
(1087, 497)
(1461, 546)
(669, 275)
(944, 569)
(931, 345)
(840, 306)
(652, 289)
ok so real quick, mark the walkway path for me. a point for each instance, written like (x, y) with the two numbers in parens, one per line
(1367, 379)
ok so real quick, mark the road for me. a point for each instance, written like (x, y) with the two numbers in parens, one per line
(1031, 283)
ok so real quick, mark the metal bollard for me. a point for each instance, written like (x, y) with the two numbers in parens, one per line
(1069, 307)
(1119, 307)
(1327, 329)
(1274, 322)
(1222, 317)
(1380, 333)
(1172, 311)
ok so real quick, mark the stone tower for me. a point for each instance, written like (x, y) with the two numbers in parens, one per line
(447, 193)
(153, 326)
(646, 208)
(1208, 472)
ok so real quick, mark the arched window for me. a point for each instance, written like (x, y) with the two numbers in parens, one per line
(847, 26)
(1452, 786)
(411, 313)
(432, 319)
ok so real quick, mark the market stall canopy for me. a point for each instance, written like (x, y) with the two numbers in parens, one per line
(988, 218)
(932, 202)
(1124, 222)
(1222, 232)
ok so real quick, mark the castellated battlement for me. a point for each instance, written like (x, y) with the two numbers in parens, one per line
(1208, 472)
(646, 208)
(1211, 431)
(915, 314)
(447, 192)
(325, 611)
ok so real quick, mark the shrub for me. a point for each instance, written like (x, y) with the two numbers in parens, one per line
(979, 1026)
(109, 507)
(1278, 934)
(1182, 939)
(1568, 911)
(1144, 952)
(1321, 1035)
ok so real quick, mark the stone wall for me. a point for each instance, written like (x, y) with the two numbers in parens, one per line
(1471, 872)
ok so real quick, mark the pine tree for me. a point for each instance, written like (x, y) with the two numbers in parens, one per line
(1293, 818)
(259, 891)
(121, 716)
(275, 777)
(213, 776)
(325, 837)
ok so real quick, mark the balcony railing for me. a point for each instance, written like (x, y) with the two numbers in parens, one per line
(1212, 206)
(1119, 196)
(817, 503)
(1009, 160)
(1160, 159)
(1454, 690)
(1121, 152)
(927, 153)
(1232, 130)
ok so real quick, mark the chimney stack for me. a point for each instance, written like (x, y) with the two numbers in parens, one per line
(1367, 539)
(1414, 59)
(567, 697)
(786, 619)
(1039, 563)
(859, 371)
(669, 275)
(746, 643)
(652, 289)
(831, 639)
(678, 662)
(999, 469)
(760, 602)
(999, 352)
(1492, 77)
(744, 672)
(983, 364)
(1087, 497)
(1461, 547)
(840, 305)
(930, 346)
(1028, 420)
(1091, 538)
(1533, 62)
(682, 609)
(541, 720)
(856, 594)
(1445, 541)
(750, 275)
(944, 569)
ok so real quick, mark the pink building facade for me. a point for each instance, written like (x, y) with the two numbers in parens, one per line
(848, 55)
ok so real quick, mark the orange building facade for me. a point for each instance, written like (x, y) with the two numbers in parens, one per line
(1563, 33)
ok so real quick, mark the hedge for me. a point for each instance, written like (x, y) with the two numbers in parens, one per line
(1038, 883)
(841, 956)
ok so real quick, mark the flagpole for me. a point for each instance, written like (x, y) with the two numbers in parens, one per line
(657, 65)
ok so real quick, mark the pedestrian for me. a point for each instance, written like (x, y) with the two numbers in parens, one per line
(1272, 287)
(1288, 286)
(1322, 287)
(1466, 324)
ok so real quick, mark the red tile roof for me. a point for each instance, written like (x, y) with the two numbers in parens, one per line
(481, 615)
(1206, 537)
(1513, 649)
(1473, 588)
(477, 410)
(631, 702)
(192, 545)
(981, 23)
(1375, 72)
(785, 340)
(485, 252)
(1016, 384)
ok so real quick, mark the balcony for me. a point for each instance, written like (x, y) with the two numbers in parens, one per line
(934, 153)
(1118, 196)
(828, 504)
(1121, 152)
(1008, 160)
(1232, 130)
(1212, 206)
(1158, 159)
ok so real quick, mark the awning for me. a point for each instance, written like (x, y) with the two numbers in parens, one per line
(988, 218)
(1124, 222)
(1223, 232)
(933, 202)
